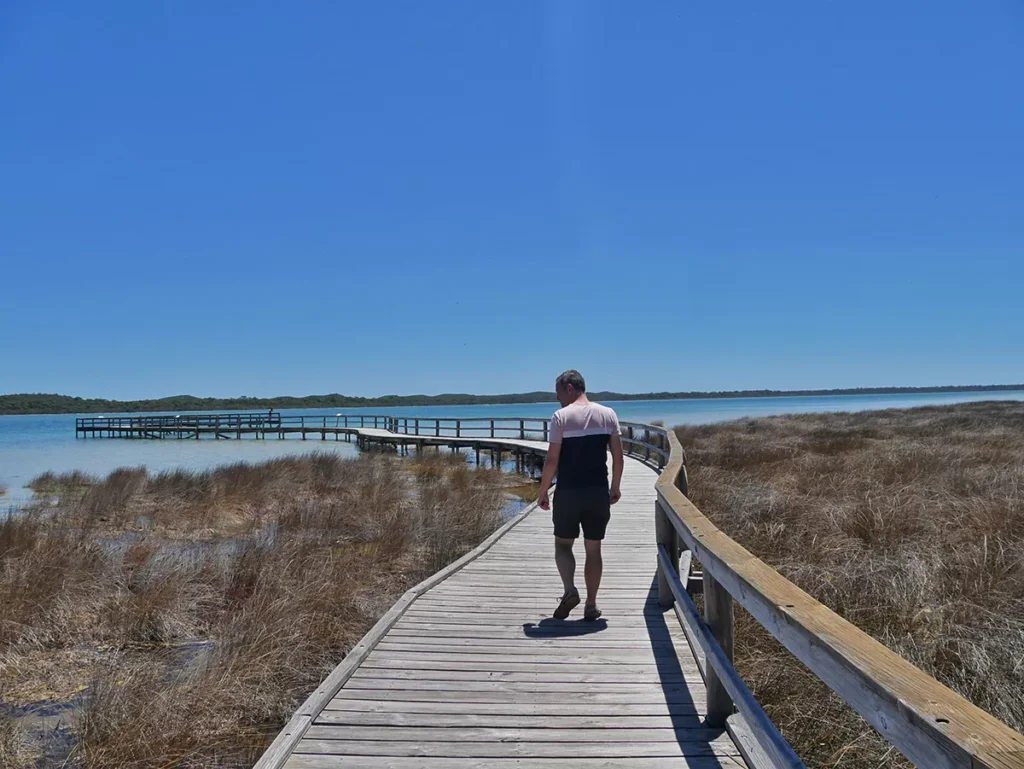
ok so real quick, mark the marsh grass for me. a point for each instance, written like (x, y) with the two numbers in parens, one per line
(908, 523)
(13, 750)
(58, 483)
(203, 607)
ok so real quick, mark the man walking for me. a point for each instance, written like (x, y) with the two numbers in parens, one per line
(581, 434)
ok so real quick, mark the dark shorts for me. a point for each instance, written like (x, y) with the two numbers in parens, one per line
(573, 508)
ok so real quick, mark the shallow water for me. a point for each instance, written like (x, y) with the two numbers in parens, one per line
(33, 444)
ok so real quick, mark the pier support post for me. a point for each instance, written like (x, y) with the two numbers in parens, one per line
(665, 534)
(719, 615)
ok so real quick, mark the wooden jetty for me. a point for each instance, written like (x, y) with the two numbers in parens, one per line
(468, 669)
(523, 439)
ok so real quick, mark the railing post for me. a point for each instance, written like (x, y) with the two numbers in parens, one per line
(665, 533)
(682, 480)
(719, 616)
(545, 430)
(492, 428)
(522, 430)
(417, 425)
(458, 428)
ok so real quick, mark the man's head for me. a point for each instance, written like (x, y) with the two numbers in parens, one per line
(569, 386)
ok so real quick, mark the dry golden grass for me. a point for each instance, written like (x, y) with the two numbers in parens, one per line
(908, 523)
(13, 751)
(198, 609)
(57, 483)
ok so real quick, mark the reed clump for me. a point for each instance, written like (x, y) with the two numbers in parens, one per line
(185, 615)
(59, 483)
(908, 523)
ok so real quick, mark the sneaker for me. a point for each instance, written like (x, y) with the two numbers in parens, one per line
(591, 612)
(569, 602)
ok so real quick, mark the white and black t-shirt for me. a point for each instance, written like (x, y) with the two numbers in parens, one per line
(584, 431)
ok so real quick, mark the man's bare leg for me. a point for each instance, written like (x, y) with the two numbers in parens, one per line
(566, 563)
(592, 570)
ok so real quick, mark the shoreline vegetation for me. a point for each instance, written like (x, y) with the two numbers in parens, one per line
(46, 403)
(231, 592)
(909, 523)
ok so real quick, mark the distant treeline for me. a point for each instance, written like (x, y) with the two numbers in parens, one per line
(41, 403)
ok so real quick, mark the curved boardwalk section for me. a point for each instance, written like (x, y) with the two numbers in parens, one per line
(472, 671)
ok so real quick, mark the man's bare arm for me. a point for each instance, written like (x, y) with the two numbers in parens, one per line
(615, 444)
(550, 468)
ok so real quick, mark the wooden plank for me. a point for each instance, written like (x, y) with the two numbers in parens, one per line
(497, 659)
(523, 667)
(746, 742)
(677, 689)
(549, 586)
(595, 696)
(498, 608)
(626, 622)
(469, 720)
(678, 675)
(494, 599)
(510, 570)
(621, 608)
(309, 761)
(516, 645)
(635, 620)
(530, 707)
(563, 734)
(541, 628)
(550, 750)
(686, 671)
(527, 647)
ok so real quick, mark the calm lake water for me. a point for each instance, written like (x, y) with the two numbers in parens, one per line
(30, 445)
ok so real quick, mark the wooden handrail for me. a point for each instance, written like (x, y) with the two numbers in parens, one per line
(929, 723)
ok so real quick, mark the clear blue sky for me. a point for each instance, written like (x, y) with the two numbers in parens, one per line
(265, 198)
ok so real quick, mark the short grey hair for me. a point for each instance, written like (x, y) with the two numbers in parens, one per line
(571, 377)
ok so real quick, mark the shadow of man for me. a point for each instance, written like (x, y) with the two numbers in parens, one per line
(557, 628)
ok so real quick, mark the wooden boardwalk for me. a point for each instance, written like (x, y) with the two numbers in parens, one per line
(474, 671)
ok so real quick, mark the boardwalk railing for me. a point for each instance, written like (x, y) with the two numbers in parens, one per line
(929, 723)
(643, 441)
(231, 421)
